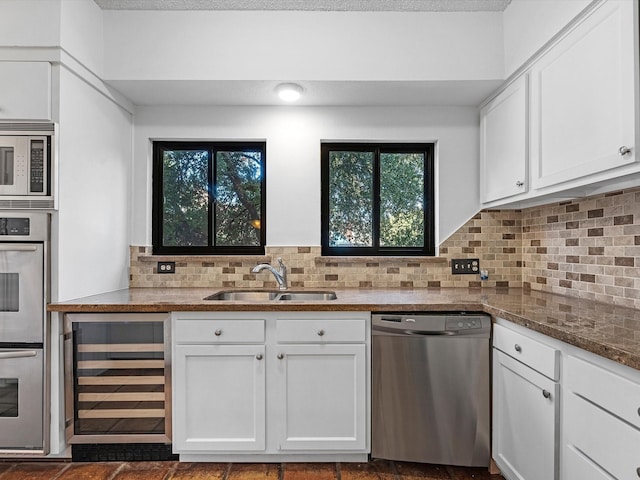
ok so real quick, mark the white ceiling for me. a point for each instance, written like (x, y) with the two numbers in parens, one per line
(315, 5)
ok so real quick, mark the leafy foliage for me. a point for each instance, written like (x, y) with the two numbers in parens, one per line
(186, 198)
(352, 197)
(402, 199)
(238, 196)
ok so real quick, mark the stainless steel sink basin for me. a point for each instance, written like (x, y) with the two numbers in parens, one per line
(267, 296)
(307, 296)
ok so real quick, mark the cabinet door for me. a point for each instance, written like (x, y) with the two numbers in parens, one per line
(605, 440)
(25, 91)
(525, 412)
(504, 138)
(219, 398)
(321, 399)
(582, 99)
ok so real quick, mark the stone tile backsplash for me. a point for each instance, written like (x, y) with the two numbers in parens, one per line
(495, 237)
(588, 248)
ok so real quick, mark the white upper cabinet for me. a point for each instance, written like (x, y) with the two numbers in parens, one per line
(25, 91)
(504, 143)
(583, 99)
(566, 125)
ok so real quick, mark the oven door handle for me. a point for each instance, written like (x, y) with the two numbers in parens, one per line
(18, 354)
(18, 248)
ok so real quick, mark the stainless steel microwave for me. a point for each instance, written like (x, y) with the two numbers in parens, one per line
(26, 165)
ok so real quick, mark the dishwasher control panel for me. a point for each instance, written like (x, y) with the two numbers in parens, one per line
(437, 323)
(463, 322)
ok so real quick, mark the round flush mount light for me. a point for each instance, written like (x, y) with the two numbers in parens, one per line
(289, 92)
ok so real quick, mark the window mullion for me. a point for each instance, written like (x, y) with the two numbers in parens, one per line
(212, 180)
(376, 202)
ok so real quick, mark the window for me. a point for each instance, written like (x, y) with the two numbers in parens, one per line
(208, 198)
(377, 199)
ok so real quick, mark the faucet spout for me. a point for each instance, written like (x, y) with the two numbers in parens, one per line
(280, 275)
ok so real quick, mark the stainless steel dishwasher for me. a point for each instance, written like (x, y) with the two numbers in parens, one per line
(430, 388)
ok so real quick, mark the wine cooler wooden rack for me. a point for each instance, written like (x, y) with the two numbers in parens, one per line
(117, 375)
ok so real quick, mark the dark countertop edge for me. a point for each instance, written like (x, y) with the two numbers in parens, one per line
(593, 346)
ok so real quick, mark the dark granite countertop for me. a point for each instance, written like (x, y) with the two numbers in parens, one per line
(607, 330)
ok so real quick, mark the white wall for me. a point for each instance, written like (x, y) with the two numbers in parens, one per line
(29, 23)
(272, 45)
(529, 24)
(81, 33)
(91, 229)
(293, 136)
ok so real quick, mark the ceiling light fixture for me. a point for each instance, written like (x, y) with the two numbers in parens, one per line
(289, 92)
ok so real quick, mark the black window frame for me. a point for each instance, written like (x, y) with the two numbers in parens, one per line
(428, 249)
(157, 197)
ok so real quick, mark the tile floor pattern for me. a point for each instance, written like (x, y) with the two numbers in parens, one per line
(374, 470)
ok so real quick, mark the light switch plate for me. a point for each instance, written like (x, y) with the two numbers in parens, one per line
(465, 266)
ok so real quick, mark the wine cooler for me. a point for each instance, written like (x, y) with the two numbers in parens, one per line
(117, 376)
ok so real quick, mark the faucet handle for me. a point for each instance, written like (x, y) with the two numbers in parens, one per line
(281, 263)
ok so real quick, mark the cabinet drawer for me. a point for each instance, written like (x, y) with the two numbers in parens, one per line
(579, 466)
(533, 353)
(208, 331)
(604, 439)
(321, 331)
(597, 384)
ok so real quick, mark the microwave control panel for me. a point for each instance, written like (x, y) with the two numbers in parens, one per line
(37, 166)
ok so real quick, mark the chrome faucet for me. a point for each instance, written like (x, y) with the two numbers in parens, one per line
(281, 275)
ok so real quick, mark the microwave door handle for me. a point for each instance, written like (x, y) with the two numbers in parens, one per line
(18, 248)
(19, 354)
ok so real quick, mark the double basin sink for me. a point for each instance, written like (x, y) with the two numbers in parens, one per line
(272, 295)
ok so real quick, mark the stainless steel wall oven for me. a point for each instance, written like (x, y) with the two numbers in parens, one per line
(24, 292)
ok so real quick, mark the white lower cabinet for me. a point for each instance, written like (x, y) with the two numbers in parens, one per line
(575, 417)
(525, 413)
(601, 422)
(220, 398)
(320, 397)
(271, 386)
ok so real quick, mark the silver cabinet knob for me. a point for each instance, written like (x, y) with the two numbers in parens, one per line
(518, 348)
(320, 333)
(519, 184)
(546, 394)
(623, 150)
(638, 471)
(280, 356)
(218, 333)
(259, 356)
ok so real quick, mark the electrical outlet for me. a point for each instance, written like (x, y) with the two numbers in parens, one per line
(465, 265)
(166, 267)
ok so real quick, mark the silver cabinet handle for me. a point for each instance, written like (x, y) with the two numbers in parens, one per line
(18, 354)
(518, 348)
(18, 248)
(519, 184)
(259, 356)
(320, 333)
(623, 150)
(546, 394)
(218, 333)
(280, 356)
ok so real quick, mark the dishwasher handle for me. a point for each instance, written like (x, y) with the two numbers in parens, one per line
(408, 331)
